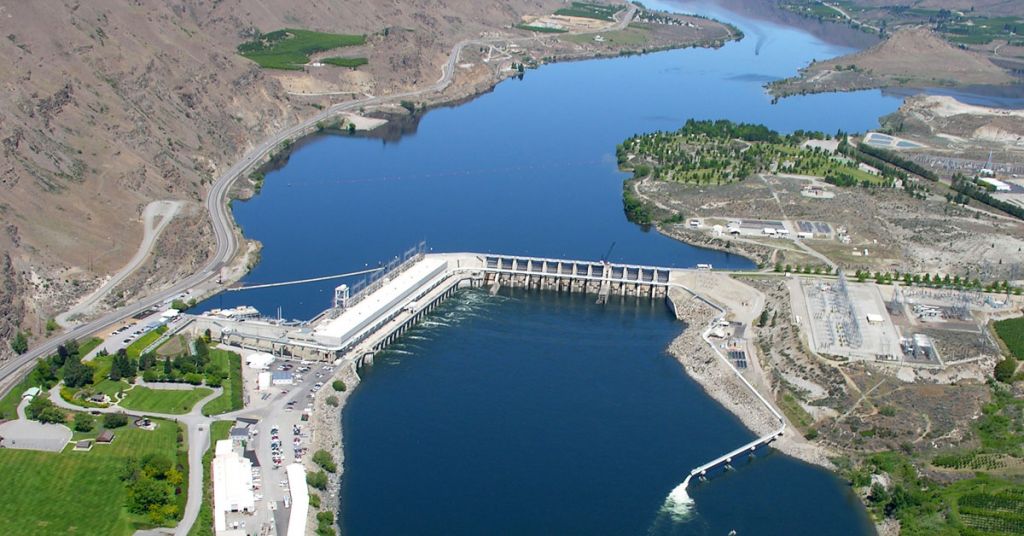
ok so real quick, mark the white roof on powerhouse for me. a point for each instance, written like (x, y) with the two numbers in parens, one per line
(339, 330)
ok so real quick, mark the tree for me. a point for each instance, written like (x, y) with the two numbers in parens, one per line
(42, 410)
(76, 373)
(167, 365)
(763, 319)
(52, 325)
(1005, 369)
(114, 420)
(338, 385)
(145, 493)
(123, 366)
(84, 422)
(20, 342)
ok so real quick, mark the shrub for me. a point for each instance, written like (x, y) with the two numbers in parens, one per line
(194, 378)
(333, 401)
(314, 500)
(338, 385)
(114, 420)
(317, 480)
(84, 422)
(325, 460)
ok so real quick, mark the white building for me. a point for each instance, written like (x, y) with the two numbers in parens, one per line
(300, 499)
(282, 378)
(999, 185)
(259, 360)
(232, 485)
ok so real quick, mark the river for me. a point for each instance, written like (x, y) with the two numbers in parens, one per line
(537, 413)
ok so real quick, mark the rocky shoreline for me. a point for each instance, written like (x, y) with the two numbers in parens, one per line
(722, 384)
(327, 433)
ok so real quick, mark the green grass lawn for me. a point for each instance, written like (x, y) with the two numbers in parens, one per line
(47, 493)
(231, 399)
(351, 63)
(175, 402)
(1011, 331)
(204, 523)
(135, 349)
(289, 49)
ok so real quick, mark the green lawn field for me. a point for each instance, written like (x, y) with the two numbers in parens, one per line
(135, 349)
(176, 402)
(46, 493)
(231, 399)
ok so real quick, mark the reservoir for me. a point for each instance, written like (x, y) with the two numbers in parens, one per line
(537, 413)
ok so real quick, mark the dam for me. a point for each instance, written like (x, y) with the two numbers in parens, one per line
(367, 317)
(364, 318)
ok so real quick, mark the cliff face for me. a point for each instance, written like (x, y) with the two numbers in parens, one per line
(108, 105)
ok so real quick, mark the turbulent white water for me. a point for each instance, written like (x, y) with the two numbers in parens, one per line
(678, 507)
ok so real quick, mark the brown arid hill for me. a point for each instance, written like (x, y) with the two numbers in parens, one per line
(914, 57)
(108, 105)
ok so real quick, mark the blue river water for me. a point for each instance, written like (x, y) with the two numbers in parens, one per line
(538, 413)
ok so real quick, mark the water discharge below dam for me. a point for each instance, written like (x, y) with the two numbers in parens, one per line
(532, 412)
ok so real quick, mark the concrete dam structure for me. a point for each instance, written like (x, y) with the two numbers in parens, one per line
(365, 318)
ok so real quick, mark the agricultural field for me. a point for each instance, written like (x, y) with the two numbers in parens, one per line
(1011, 332)
(289, 49)
(590, 11)
(43, 491)
(231, 399)
(980, 505)
(633, 35)
(170, 401)
(721, 152)
(351, 63)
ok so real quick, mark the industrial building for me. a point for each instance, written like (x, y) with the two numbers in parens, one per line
(232, 489)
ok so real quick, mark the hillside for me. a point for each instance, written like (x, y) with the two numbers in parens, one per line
(111, 105)
(914, 57)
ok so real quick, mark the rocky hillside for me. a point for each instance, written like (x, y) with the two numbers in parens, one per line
(914, 57)
(111, 104)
